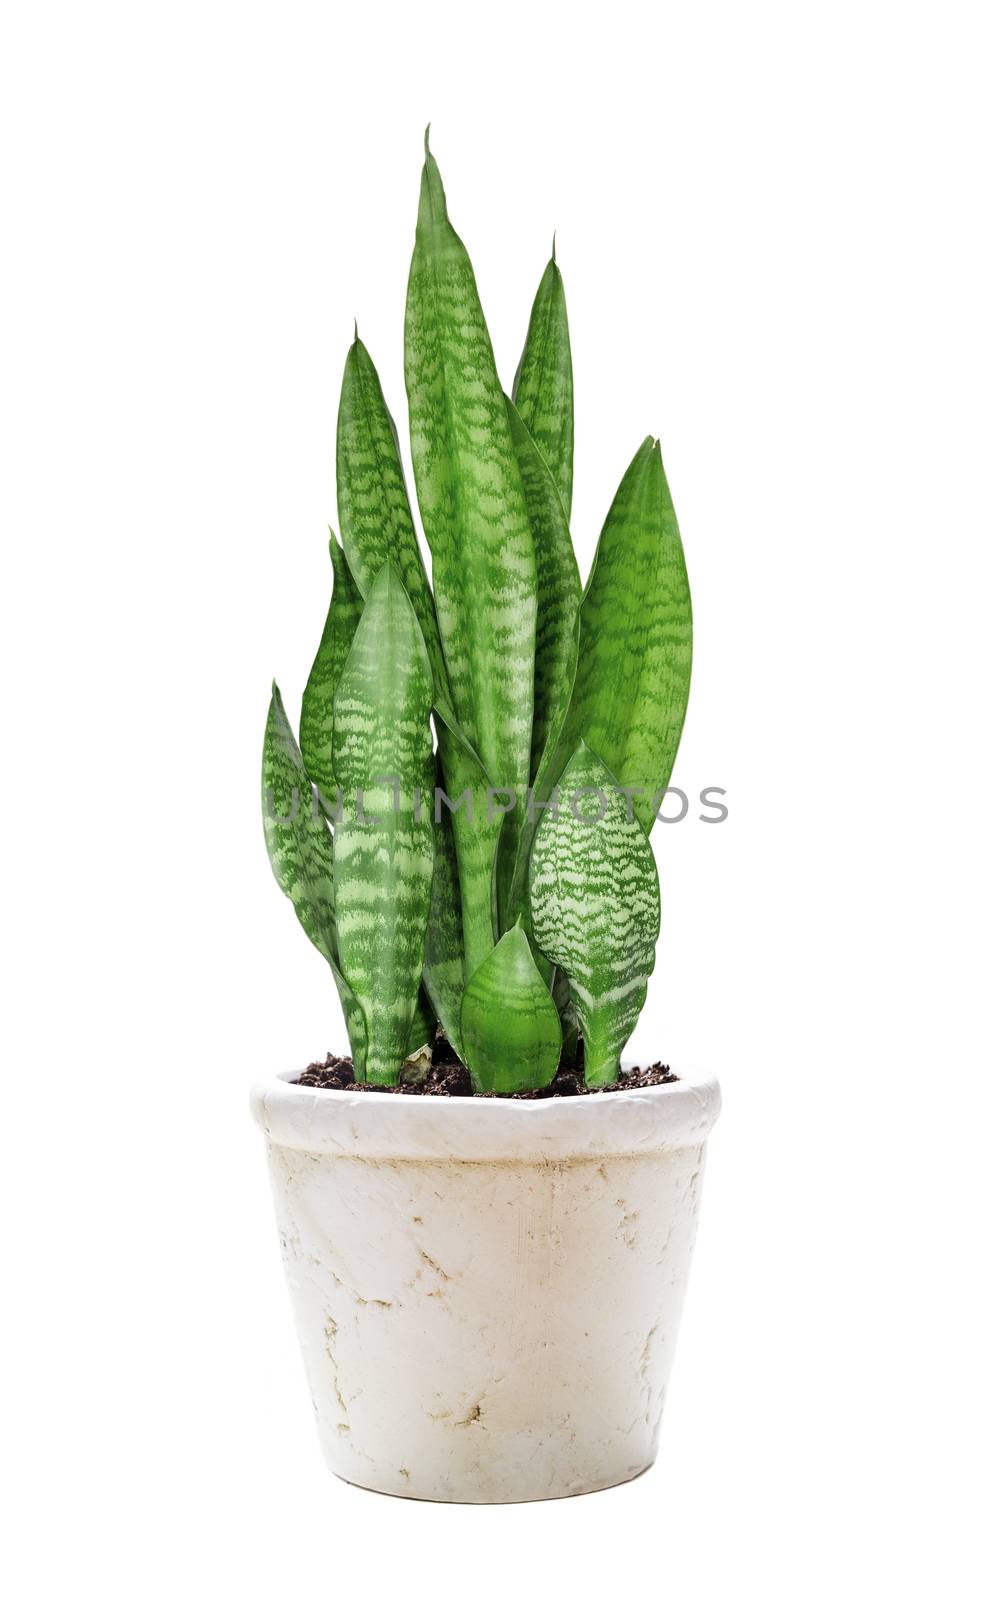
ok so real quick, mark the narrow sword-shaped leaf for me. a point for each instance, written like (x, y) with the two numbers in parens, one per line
(375, 516)
(382, 754)
(316, 722)
(475, 831)
(470, 496)
(377, 522)
(511, 1030)
(300, 847)
(543, 387)
(443, 973)
(594, 897)
(558, 585)
(550, 769)
(636, 638)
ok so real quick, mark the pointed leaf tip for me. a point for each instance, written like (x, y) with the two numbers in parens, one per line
(427, 127)
(553, 244)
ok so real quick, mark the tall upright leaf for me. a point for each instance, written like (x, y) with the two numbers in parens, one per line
(476, 830)
(382, 754)
(636, 638)
(316, 722)
(558, 584)
(511, 1029)
(595, 907)
(375, 516)
(471, 499)
(543, 387)
(300, 848)
(443, 974)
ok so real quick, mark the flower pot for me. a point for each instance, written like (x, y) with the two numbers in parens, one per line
(487, 1292)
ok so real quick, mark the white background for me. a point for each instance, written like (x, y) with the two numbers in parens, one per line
(771, 228)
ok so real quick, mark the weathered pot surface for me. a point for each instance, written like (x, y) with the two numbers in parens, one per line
(487, 1292)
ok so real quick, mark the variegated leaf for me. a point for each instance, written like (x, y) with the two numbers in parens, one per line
(316, 722)
(567, 1017)
(382, 755)
(377, 522)
(636, 638)
(558, 586)
(511, 1029)
(443, 972)
(543, 387)
(558, 602)
(594, 897)
(472, 502)
(475, 832)
(375, 516)
(300, 847)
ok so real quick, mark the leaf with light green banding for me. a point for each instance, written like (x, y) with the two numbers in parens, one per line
(443, 973)
(543, 387)
(475, 834)
(636, 638)
(568, 1018)
(547, 776)
(558, 580)
(558, 585)
(594, 895)
(375, 517)
(382, 754)
(511, 1029)
(300, 847)
(472, 502)
(316, 722)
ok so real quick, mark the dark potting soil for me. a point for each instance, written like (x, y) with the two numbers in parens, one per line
(446, 1075)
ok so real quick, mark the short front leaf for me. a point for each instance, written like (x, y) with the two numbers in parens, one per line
(511, 1030)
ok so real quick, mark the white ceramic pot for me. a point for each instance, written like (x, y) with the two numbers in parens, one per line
(487, 1292)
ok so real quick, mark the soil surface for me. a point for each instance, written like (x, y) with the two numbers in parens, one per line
(446, 1075)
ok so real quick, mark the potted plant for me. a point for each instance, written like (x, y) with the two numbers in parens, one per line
(486, 1221)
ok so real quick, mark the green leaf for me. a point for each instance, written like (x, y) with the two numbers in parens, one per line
(511, 1030)
(636, 638)
(475, 832)
(422, 1030)
(549, 771)
(316, 722)
(594, 897)
(473, 508)
(558, 604)
(567, 1017)
(443, 974)
(375, 517)
(300, 847)
(382, 755)
(558, 586)
(543, 388)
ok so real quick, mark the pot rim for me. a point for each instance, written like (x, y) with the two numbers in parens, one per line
(345, 1122)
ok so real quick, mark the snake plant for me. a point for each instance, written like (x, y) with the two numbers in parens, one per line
(463, 826)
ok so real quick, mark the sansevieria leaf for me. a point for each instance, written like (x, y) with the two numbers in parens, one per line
(472, 503)
(511, 1029)
(636, 638)
(316, 722)
(382, 755)
(375, 517)
(594, 895)
(543, 387)
(559, 590)
(559, 594)
(300, 848)
(443, 974)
